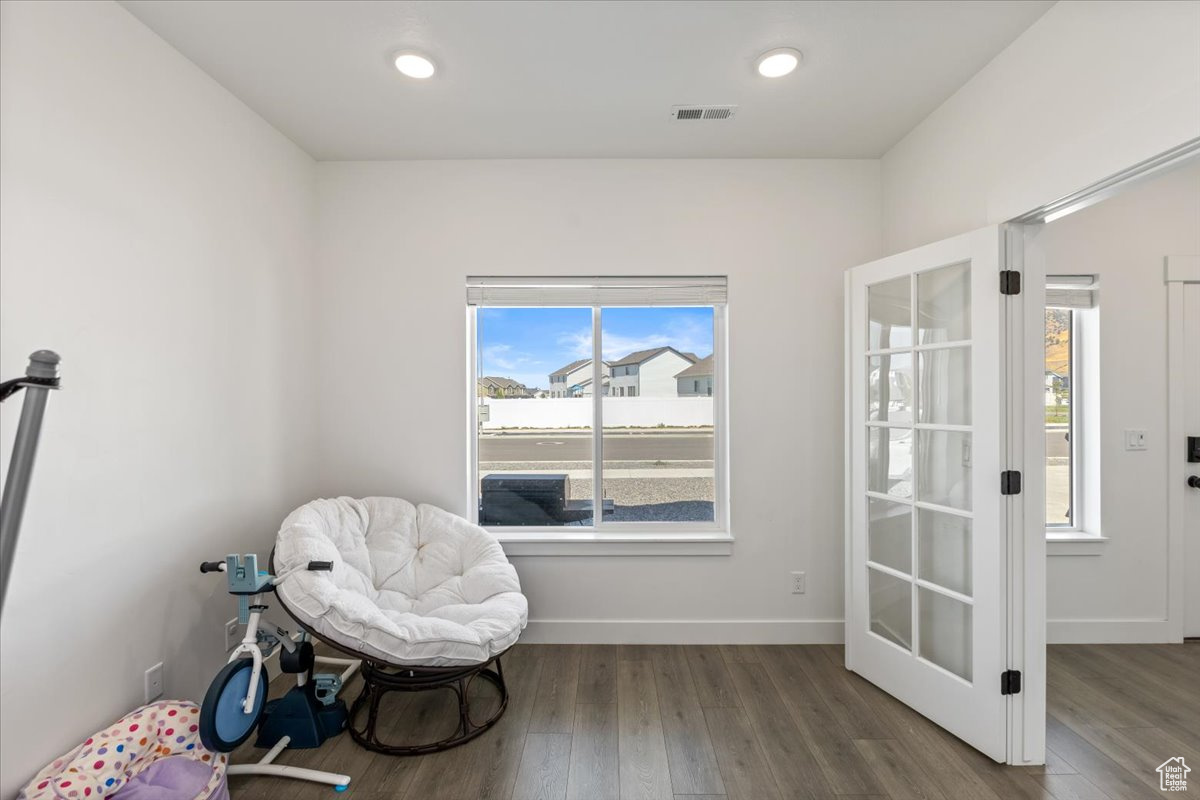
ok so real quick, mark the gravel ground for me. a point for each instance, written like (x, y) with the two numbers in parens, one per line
(637, 499)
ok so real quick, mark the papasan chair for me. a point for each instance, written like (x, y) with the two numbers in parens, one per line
(426, 599)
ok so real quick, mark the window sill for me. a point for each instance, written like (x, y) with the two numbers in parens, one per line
(1074, 543)
(623, 544)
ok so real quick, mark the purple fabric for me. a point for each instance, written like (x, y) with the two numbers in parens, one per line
(172, 778)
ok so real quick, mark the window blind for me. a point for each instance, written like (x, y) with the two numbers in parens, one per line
(597, 291)
(1071, 291)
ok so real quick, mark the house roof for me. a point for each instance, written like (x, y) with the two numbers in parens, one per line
(642, 356)
(569, 368)
(503, 383)
(702, 368)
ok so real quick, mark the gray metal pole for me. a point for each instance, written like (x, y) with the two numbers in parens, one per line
(43, 366)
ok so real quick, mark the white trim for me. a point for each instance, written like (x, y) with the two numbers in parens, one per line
(472, 422)
(1179, 271)
(1098, 191)
(1024, 418)
(849, 363)
(1074, 544)
(1109, 631)
(683, 631)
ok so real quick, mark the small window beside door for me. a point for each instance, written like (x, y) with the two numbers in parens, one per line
(1071, 405)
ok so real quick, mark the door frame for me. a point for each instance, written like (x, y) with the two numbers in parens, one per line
(1179, 271)
(1025, 530)
(1023, 350)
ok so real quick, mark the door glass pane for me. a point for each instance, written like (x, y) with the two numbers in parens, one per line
(890, 534)
(944, 471)
(658, 444)
(944, 550)
(889, 312)
(944, 304)
(945, 632)
(945, 390)
(890, 388)
(890, 601)
(889, 461)
(535, 416)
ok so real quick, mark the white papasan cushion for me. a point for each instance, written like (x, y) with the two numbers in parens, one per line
(410, 584)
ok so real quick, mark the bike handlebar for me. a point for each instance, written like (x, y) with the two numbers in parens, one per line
(212, 566)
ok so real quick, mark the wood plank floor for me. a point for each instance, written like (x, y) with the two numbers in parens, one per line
(657, 722)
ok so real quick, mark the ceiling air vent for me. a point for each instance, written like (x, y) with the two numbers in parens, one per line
(702, 112)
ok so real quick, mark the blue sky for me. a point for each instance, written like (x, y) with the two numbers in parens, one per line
(527, 344)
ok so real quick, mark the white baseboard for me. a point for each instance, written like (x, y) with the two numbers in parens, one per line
(1109, 631)
(726, 631)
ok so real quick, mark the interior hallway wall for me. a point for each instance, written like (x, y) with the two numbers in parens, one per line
(1091, 88)
(396, 243)
(1121, 594)
(158, 234)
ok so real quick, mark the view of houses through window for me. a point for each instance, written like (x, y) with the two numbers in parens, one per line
(1059, 418)
(537, 393)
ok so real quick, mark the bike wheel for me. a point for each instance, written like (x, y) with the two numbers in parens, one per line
(224, 724)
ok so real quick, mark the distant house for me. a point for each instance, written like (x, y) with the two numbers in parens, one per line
(584, 388)
(649, 373)
(575, 379)
(491, 386)
(696, 380)
(1058, 389)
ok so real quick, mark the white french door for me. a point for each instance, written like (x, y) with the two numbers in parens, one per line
(926, 556)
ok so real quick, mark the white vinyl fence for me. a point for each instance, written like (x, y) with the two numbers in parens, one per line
(619, 412)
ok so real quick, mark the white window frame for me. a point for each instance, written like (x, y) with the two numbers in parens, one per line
(1082, 537)
(1074, 438)
(608, 538)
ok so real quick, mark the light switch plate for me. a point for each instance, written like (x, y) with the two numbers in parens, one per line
(1135, 439)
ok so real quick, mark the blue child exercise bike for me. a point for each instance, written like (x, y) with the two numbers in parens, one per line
(236, 703)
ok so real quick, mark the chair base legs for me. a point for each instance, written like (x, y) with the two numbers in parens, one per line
(379, 680)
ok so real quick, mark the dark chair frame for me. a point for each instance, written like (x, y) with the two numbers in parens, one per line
(380, 678)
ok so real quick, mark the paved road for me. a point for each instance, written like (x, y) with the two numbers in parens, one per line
(1056, 443)
(578, 447)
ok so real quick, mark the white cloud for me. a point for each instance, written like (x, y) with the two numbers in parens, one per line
(685, 334)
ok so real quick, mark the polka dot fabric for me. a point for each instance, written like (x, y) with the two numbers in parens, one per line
(99, 767)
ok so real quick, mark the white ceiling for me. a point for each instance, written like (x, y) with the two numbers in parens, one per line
(588, 79)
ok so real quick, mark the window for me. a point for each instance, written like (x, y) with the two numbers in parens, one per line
(641, 456)
(1060, 323)
(1072, 406)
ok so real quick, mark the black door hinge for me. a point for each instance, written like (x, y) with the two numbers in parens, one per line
(1010, 281)
(1010, 482)
(1010, 682)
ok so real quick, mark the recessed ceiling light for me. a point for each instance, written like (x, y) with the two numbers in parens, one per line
(779, 62)
(414, 65)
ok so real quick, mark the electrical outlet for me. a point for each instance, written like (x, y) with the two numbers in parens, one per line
(798, 586)
(1135, 440)
(154, 682)
(233, 634)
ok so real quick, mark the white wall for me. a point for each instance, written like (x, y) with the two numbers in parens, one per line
(1123, 591)
(1089, 89)
(158, 235)
(656, 377)
(396, 243)
(619, 412)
